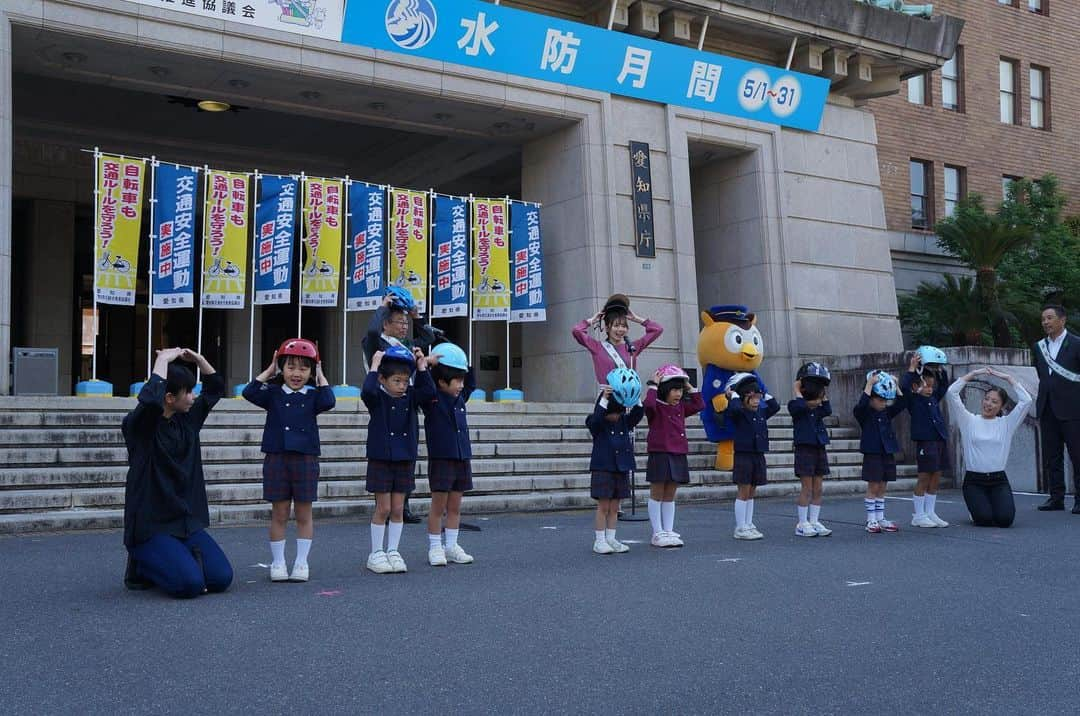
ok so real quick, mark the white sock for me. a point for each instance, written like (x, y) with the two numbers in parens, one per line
(609, 535)
(393, 536)
(803, 510)
(434, 540)
(303, 547)
(667, 516)
(749, 512)
(654, 516)
(740, 514)
(868, 505)
(815, 513)
(600, 537)
(931, 503)
(377, 533)
(920, 504)
(277, 551)
(451, 538)
(879, 509)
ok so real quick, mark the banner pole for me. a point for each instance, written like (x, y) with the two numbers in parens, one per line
(254, 270)
(300, 256)
(150, 271)
(97, 240)
(346, 276)
(431, 256)
(472, 287)
(202, 269)
(510, 283)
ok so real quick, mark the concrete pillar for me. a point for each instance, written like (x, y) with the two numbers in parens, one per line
(50, 263)
(5, 204)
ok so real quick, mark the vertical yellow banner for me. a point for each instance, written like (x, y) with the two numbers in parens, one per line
(323, 199)
(119, 184)
(409, 261)
(225, 240)
(491, 261)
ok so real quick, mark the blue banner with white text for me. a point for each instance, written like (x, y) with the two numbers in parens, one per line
(527, 302)
(450, 257)
(174, 217)
(504, 39)
(364, 269)
(275, 219)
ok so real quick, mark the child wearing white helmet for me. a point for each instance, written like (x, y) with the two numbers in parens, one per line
(617, 412)
(874, 412)
(449, 449)
(808, 410)
(669, 401)
(924, 386)
(749, 409)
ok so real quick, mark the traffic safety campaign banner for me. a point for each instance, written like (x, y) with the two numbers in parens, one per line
(119, 190)
(275, 222)
(367, 239)
(173, 236)
(319, 281)
(450, 257)
(408, 257)
(491, 265)
(225, 240)
(527, 302)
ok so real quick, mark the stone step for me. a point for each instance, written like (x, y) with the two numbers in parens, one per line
(360, 509)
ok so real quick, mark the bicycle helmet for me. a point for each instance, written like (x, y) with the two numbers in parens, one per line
(451, 356)
(672, 372)
(884, 385)
(741, 383)
(300, 347)
(931, 355)
(625, 386)
(814, 371)
(401, 298)
(400, 354)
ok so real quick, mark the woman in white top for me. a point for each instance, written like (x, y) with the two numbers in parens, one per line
(985, 440)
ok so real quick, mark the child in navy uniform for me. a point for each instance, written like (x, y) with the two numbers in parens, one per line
(924, 386)
(878, 444)
(749, 416)
(290, 444)
(617, 412)
(443, 401)
(393, 434)
(808, 411)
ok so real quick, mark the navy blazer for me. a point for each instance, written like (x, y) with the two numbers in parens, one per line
(291, 424)
(423, 337)
(808, 423)
(393, 430)
(445, 423)
(1061, 396)
(751, 428)
(878, 437)
(927, 422)
(613, 442)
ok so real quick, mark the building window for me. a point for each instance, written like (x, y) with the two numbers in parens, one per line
(1006, 182)
(1037, 6)
(916, 90)
(1007, 90)
(955, 181)
(921, 204)
(1010, 3)
(1040, 81)
(952, 82)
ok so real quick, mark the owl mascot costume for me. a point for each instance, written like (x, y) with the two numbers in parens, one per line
(729, 343)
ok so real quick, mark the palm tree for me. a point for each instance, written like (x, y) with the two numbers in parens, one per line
(954, 308)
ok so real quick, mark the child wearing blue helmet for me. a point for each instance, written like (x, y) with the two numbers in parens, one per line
(617, 412)
(924, 386)
(443, 401)
(874, 413)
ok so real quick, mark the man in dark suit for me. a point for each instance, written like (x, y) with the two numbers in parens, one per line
(1057, 361)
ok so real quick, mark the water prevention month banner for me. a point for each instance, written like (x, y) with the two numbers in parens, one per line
(491, 265)
(408, 259)
(320, 278)
(364, 289)
(225, 240)
(174, 236)
(320, 18)
(119, 187)
(275, 221)
(504, 39)
(450, 257)
(527, 301)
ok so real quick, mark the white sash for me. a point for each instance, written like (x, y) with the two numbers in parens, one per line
(619, 362)
(393, 341)
(1044, 348)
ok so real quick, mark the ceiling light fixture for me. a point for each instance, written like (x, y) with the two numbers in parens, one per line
(212, 105)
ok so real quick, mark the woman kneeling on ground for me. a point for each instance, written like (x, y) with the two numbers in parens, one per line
(985, 440)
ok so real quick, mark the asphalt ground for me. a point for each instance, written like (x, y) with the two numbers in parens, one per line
(961, 620)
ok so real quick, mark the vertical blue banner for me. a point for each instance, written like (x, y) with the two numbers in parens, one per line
(527, 301)
(364, 287)
(174, 194)
(450, 257)
(275, 219)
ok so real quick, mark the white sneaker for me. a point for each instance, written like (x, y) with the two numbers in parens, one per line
(378, 563)
(436, 556)
(397, 564)
(747, 533)
(822, 530)
(617, 547)
(279, 573)
(674, 539)
(660, 539)
(922, 521)
(755, 532)
(299, 573)
(805, 529)
(601, 546)
(873, 527)
(457, 555)
(937, 520)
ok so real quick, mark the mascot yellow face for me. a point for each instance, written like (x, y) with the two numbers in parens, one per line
(734, 346)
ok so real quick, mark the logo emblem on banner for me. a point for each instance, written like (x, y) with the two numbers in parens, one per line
(411, 23)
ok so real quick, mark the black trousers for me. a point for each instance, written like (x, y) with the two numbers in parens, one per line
(1055, 436)
(989, 499)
